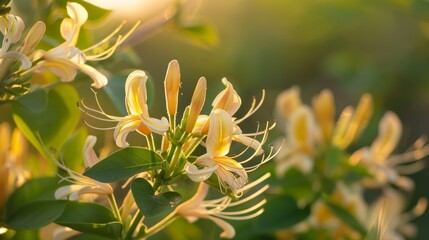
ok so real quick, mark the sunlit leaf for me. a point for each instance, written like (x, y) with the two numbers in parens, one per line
(346, 216)
(125, 163)
(72, 150)
(203, 34)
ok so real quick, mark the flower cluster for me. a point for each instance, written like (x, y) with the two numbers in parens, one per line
(215, 132)
(317, 147)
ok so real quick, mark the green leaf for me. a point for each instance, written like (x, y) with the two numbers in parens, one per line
(298, 185)
(36, 214)
(203, 34)
(149, 203)
(34, 190)
(90, 218)
(49, 116)
(72, 156)
(281, 212)
(346, 216)
(333, 159)
(26, 235)
(125, 163)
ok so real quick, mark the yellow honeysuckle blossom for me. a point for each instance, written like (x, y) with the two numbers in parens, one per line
(229, 101)
(310, 129)
(65, 59)
(231, 174)
(82, 186)
(215, 210)
(388, 215)
(378, 158)
(138, 118)
(172, 84)
(13, 151)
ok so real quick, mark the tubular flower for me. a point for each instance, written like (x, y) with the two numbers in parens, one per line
(229, 101)
(65, 59)
(231, 174)
(197, 102)
(308, 130)
(215, 210)
(385, 167)
(82, 186)
(138, 118)
(13, 174)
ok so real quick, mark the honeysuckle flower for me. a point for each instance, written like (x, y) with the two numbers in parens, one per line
(82, 186)
(65, 59)
(11, 27)
(388, 215)
(229, 101)
(230, 173)
(216, 210)
(33, 37)
(309, 130)
(385, 167)
(138, 118)
(13, 151)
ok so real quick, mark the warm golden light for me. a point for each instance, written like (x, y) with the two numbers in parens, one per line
(132, 8)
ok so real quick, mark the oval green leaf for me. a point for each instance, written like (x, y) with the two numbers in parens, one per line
(125, 163)
(149, 203)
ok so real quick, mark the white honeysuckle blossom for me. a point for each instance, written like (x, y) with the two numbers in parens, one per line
(65, 59)
(378, 158)
(11, 27)
(82, 187)
(216, 210)
(230, 172)
(138, 118)
(229, 101)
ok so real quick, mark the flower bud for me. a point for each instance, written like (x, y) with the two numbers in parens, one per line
(172, 84)
(197, 103)
(33, 37)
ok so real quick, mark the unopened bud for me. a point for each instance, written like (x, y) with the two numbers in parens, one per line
(172, 84)
(33, 38)
(197, 103)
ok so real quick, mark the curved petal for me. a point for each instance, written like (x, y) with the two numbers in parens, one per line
(228, 229)
(135, 93)
(390, 130)
(220, 133)
(67, 28)
(33, 37)
(199, 175)
(124, 127)
(25, 62)
(324, 109)
(302, 128)
(199, 128)
(189, 207)
(89, 156)
(231, 173)
(228, 99)
(99, 79)
(288, 101)
(77, 12)
(63, 68)
(159, 126)
(64, 191)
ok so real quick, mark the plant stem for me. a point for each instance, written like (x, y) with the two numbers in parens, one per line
(193, 146)
(134, 225)
(173, 164)
(114, 206)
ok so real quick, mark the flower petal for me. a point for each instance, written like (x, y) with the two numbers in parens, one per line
(89, 156)
(390, 130)
(135, 93)
(228, 99)
(124, 127)
(159, 126)
(199, 175)
(172, 84)
(220, 133)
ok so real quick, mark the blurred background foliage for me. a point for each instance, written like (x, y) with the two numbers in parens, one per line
(352, 47)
